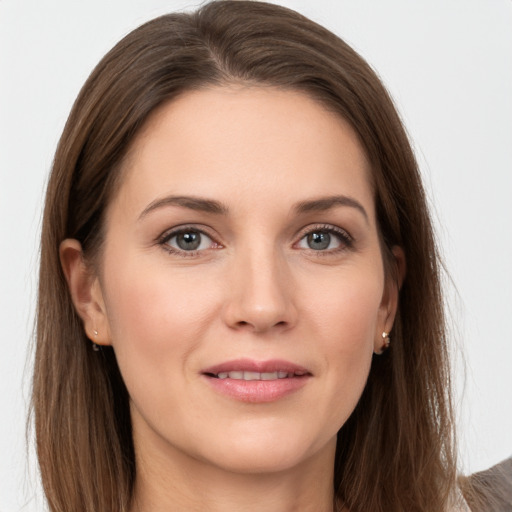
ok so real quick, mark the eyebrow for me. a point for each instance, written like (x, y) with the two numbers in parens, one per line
(321, 204)
(190, 202)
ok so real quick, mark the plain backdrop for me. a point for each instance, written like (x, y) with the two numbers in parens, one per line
(448, 65)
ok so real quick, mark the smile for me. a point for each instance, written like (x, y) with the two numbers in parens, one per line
(256, 381)
(259, 376)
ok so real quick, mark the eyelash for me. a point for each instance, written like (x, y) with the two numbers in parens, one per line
(164, 239)
(345, 239)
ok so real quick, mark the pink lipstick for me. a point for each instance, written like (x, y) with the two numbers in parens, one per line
(257, 381)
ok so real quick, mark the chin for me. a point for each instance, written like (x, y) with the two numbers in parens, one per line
(265, 452)
(260, 463)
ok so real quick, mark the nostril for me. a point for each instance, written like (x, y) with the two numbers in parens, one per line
(258, 326)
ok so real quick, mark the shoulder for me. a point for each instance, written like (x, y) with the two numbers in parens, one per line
(490, 490)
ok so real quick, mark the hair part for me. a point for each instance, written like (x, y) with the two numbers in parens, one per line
(396, 451)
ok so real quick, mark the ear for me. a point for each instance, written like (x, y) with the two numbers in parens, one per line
(85, 290)
(389, 304)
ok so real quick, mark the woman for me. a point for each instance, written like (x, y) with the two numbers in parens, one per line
(235, 232)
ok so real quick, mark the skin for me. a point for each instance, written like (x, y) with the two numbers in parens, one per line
(254, 289)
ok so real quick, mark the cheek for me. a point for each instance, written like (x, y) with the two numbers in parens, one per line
(346, 318)
(156, 319)
(346, 309)
(144, 301)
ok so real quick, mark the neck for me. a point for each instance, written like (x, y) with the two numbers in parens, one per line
(180, 483)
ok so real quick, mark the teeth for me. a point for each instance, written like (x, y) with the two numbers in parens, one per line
(251, 376)
(238, 375)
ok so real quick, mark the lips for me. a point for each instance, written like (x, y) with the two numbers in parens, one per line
(256, 381)
(239, 375)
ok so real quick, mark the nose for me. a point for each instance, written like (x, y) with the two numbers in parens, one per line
(260, 293)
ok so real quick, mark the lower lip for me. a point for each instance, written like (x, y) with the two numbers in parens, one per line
(258, 391)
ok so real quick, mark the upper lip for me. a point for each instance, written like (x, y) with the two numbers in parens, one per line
(250, 365)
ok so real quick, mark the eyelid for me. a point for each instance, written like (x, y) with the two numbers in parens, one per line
(345, 237)
(168, 234)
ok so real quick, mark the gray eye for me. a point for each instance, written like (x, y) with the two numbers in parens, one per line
(190, 241)
(318, 240)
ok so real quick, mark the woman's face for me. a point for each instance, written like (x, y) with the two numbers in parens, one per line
(242, 284)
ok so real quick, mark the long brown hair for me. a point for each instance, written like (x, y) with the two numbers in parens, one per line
(395, 453)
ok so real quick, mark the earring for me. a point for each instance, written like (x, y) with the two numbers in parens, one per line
(95, 347)
(385, 342)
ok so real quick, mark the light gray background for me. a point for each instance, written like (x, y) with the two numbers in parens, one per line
(448, 64)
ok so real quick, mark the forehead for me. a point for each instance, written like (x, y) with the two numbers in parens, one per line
(246, 143)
